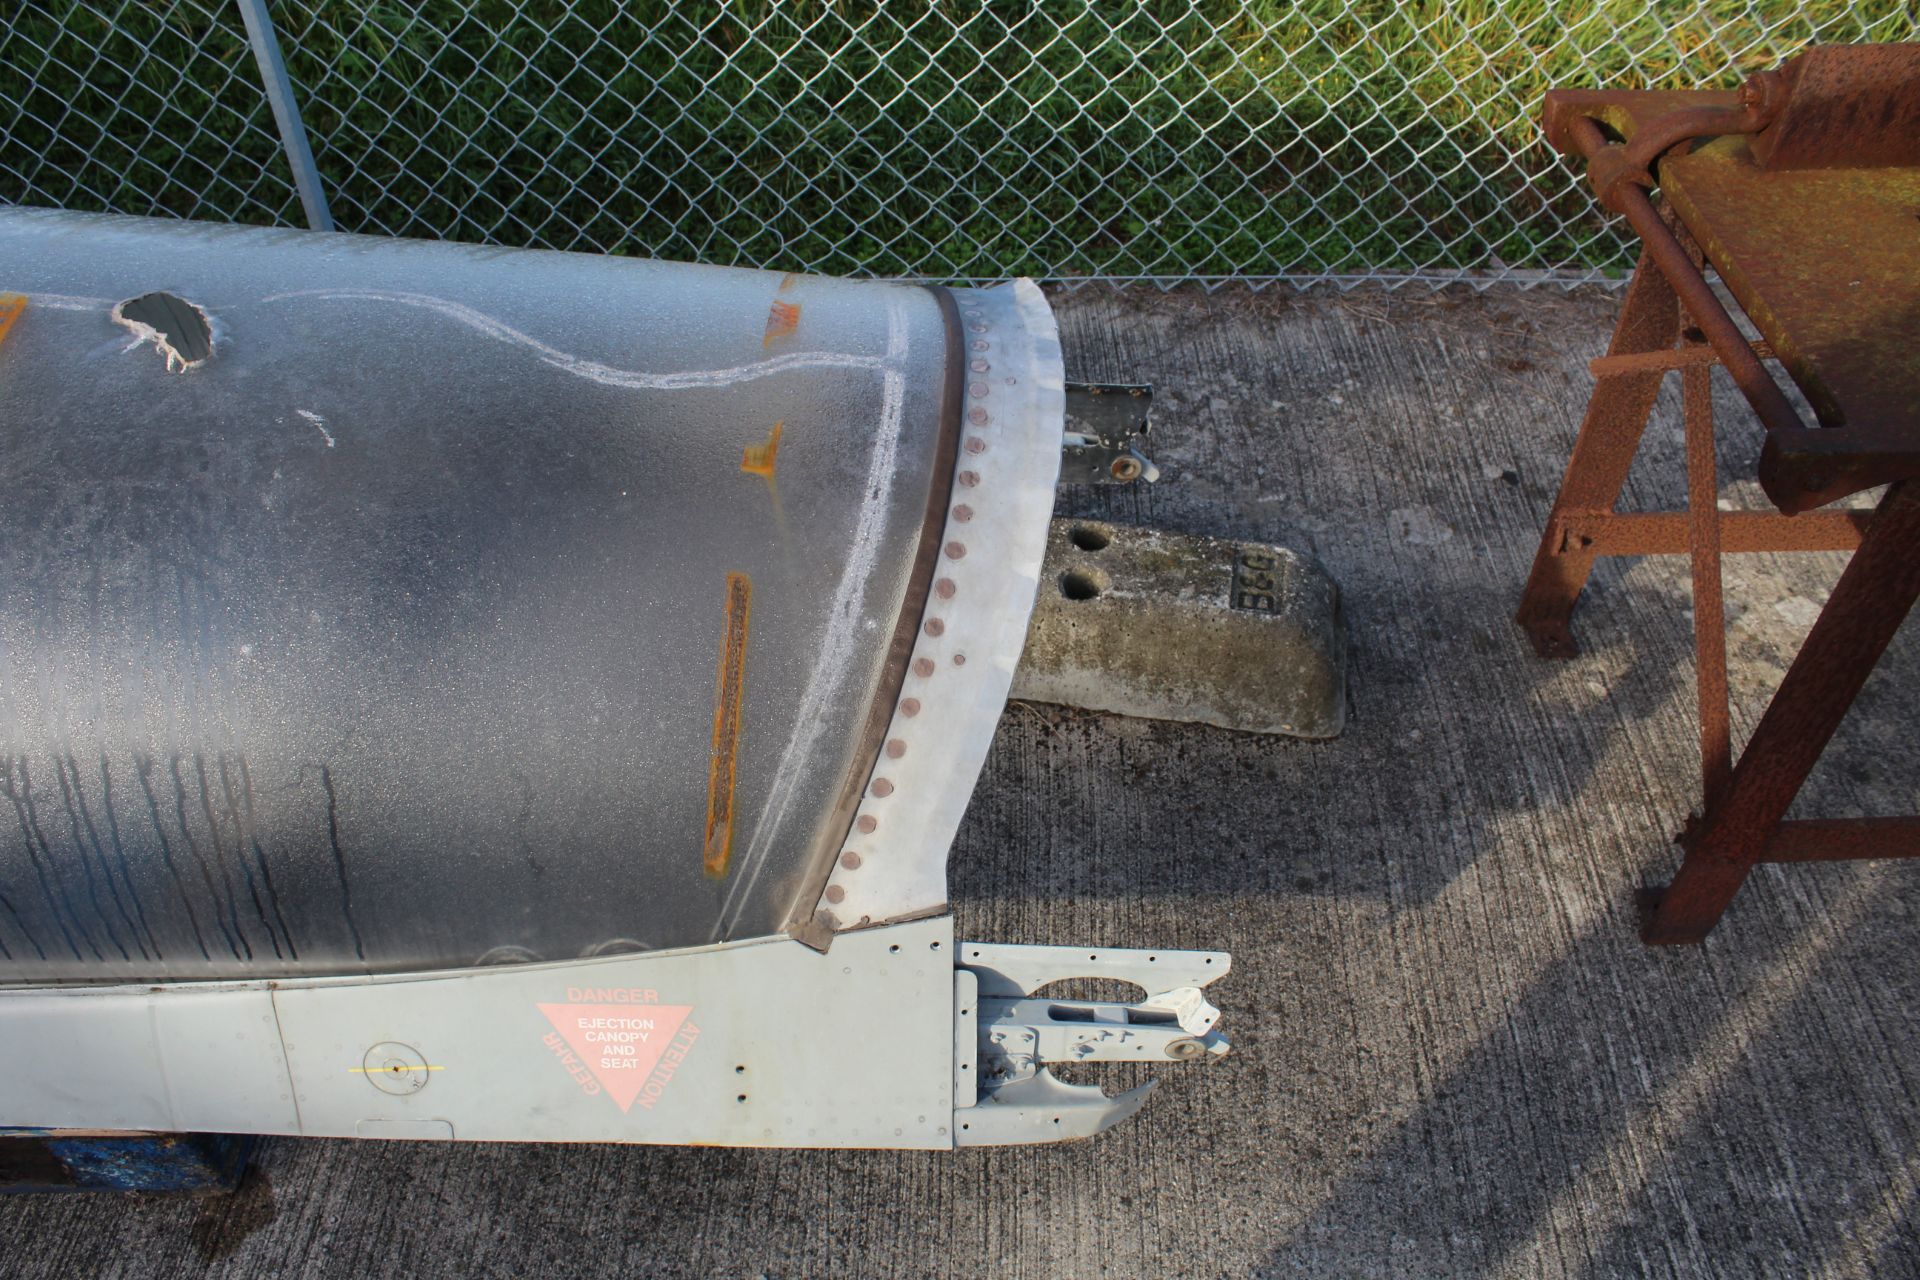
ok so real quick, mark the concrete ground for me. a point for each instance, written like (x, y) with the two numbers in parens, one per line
(1452, 1055)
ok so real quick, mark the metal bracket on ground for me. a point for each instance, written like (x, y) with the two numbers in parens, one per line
(1009, 1035)
(1106, 433)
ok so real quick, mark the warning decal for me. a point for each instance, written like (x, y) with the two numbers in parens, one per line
(627, 1051)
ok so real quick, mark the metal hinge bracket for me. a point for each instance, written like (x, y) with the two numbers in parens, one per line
(1005, 1035)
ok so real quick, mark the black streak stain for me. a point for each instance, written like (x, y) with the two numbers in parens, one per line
(34, 831)
(144, 766)
(259, 854)
(61, 910)
(340, 859)
(86, 863)
(20, 923)
(223, 902)
(224, 861)
(119, 849)
(74, 792)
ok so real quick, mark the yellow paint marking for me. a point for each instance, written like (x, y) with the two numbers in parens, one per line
(404, 1070)
(759, 459)
(726, 725)
(11, 305)
(782, 319)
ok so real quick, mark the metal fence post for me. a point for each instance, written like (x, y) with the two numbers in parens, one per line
(286, 113)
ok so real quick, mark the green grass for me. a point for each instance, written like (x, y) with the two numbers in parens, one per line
(1171, 138)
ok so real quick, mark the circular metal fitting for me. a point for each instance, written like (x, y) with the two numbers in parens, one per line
(392, 1067)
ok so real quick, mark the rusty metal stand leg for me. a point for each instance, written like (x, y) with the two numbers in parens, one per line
(1610, 433)
(1866, 608)
(1709, 609)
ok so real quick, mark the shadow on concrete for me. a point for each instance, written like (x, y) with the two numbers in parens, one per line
(1626, 1083)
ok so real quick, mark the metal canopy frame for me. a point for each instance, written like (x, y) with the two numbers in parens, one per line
(1851, 110)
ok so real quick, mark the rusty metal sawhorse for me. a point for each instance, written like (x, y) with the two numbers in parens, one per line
(1802, 191)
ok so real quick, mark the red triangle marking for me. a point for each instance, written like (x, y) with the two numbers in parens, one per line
(619, 1043)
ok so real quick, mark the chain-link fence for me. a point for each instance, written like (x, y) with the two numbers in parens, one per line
(1161, 140)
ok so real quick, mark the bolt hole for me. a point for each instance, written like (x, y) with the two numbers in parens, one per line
(934, 946)
(894, 950)
(1088, 538)
(1082, 584)
(741, 1098)
(740, 1070)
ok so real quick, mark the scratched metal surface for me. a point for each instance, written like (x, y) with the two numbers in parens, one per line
(1453, 1057)
(389, 637)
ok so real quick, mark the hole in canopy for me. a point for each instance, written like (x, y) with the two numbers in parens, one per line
(178, 330)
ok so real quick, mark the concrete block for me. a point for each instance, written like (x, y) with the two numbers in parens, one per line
(1169, 626)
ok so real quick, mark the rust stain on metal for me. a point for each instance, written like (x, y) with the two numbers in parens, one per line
(1827, 264)
(1709, 609)
(1803, 192)
(759, 459)
(1842, 107)
(1803, 189)
(727, 696)
(1603, 452)
(11, 305)
(782, 319)
(1744, 822)
(1664, 533)
(1844, 839)
(788, 280)
(1667, 360)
